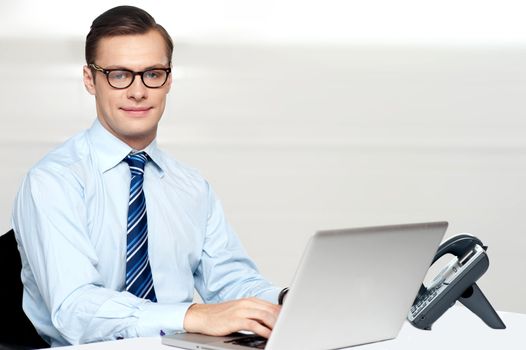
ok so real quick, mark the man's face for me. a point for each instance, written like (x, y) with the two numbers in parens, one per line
(131, 114)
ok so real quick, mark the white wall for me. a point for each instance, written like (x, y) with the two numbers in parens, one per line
(298, 135)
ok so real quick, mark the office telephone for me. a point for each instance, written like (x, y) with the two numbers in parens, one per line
(456, 281)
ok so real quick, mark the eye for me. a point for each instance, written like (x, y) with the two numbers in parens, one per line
(154, 74)
(119, 75)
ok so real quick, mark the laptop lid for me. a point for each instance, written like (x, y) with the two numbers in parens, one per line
(353, 286)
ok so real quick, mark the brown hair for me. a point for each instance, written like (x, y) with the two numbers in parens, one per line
(123, 20)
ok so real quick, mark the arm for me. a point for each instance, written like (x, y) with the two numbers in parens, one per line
(226, 277)
(51, 223)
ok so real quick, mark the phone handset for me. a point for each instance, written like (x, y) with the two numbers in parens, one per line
(456, 281)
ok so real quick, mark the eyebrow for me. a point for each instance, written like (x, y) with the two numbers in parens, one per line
(156, 66)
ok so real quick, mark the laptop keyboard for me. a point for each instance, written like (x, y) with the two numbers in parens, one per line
(251, 341)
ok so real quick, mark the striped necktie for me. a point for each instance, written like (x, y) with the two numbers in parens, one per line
(139, 279)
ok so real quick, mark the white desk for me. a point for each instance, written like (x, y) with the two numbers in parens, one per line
(459, 328)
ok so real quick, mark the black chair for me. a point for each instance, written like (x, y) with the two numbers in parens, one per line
(17, 332)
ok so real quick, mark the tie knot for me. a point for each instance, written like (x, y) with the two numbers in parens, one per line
(136, 161)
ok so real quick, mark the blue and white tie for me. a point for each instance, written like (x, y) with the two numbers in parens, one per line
(139, 279)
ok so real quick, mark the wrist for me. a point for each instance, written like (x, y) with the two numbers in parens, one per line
(191, 318)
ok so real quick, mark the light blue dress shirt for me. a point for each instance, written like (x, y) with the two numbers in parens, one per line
(70, 218)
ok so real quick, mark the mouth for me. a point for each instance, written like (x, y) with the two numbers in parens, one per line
(136, 111)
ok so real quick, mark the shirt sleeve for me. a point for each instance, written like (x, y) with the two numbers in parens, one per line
(50, 222)
(225, 271)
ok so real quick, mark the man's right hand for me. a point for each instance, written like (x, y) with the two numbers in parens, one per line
(250, 314)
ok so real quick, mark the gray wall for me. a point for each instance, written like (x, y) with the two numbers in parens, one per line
(301, 136)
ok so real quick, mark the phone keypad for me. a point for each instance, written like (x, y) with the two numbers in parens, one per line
(424, 300)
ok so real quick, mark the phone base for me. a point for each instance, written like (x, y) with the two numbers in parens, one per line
(456, 282)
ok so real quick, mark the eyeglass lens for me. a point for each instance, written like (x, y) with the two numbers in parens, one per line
(153, 78)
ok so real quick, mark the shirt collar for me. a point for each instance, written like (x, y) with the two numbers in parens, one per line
(156, 156)
(110, 151)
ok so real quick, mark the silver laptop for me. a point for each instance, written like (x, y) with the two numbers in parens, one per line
(353, 286)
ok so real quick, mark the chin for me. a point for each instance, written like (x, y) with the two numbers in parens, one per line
(140, 133)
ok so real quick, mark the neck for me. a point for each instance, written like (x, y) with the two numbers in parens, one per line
(137, 145)
(137, 142)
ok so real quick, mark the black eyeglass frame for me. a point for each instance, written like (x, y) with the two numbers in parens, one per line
(107, 72)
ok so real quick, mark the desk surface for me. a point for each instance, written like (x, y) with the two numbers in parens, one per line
(458, 328)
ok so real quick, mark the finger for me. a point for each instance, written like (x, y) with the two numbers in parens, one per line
(257, 328)
(268, 319)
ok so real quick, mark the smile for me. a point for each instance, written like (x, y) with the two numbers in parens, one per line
(136, 111)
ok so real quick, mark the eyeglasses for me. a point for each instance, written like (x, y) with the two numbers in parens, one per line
(123, 78)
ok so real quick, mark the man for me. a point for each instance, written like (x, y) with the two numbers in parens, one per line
(114, 234)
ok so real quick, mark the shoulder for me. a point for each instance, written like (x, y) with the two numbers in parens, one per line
(63, 161)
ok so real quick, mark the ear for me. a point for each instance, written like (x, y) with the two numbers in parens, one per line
(169, 83)
(89, 81)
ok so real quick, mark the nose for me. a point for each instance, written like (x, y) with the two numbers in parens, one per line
(137, 90)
